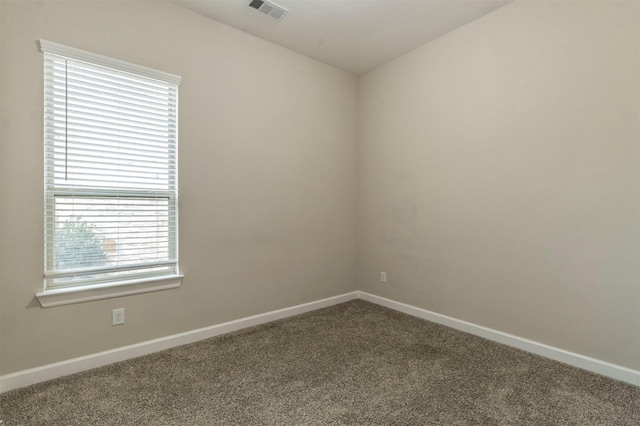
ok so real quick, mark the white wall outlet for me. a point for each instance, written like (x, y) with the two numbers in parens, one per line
(383, 277)
(117, 316)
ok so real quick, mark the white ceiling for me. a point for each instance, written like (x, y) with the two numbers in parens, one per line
(354, 35)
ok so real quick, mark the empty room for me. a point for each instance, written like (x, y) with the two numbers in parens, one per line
(319, 212)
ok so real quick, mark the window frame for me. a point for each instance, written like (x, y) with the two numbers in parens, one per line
(117, 286)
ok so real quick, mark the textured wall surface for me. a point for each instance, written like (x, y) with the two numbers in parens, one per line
(493, 174)
(499, 176)
(267, 176)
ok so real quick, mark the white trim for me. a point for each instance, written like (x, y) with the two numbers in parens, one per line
(76, 365)
(71, 295)
(105, 61)
(576, 360)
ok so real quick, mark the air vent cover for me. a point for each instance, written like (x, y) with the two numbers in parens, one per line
(269, 8)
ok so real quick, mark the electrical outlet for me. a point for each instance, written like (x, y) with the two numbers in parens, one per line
(383, 277)
(117, 316)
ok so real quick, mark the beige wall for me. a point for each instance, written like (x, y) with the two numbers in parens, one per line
(499, 176)
(497, 167)
(267, 177)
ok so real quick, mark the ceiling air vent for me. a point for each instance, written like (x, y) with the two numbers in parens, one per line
(269, 8)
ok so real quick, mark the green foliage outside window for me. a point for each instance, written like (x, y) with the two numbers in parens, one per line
(78, 245)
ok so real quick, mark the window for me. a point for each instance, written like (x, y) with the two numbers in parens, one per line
(111, 180)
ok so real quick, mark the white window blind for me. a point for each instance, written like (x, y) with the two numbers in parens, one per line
(111, 181)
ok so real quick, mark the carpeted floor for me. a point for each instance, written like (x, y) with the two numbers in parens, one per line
(350, 364)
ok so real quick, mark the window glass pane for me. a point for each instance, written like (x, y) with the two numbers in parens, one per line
(92, 231)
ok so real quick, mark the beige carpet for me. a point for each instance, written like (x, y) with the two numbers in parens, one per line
(351, 364)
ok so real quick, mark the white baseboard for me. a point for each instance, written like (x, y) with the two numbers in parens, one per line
(586, 363)
(76, 365)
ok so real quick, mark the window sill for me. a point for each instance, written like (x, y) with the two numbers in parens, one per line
(68, 296)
